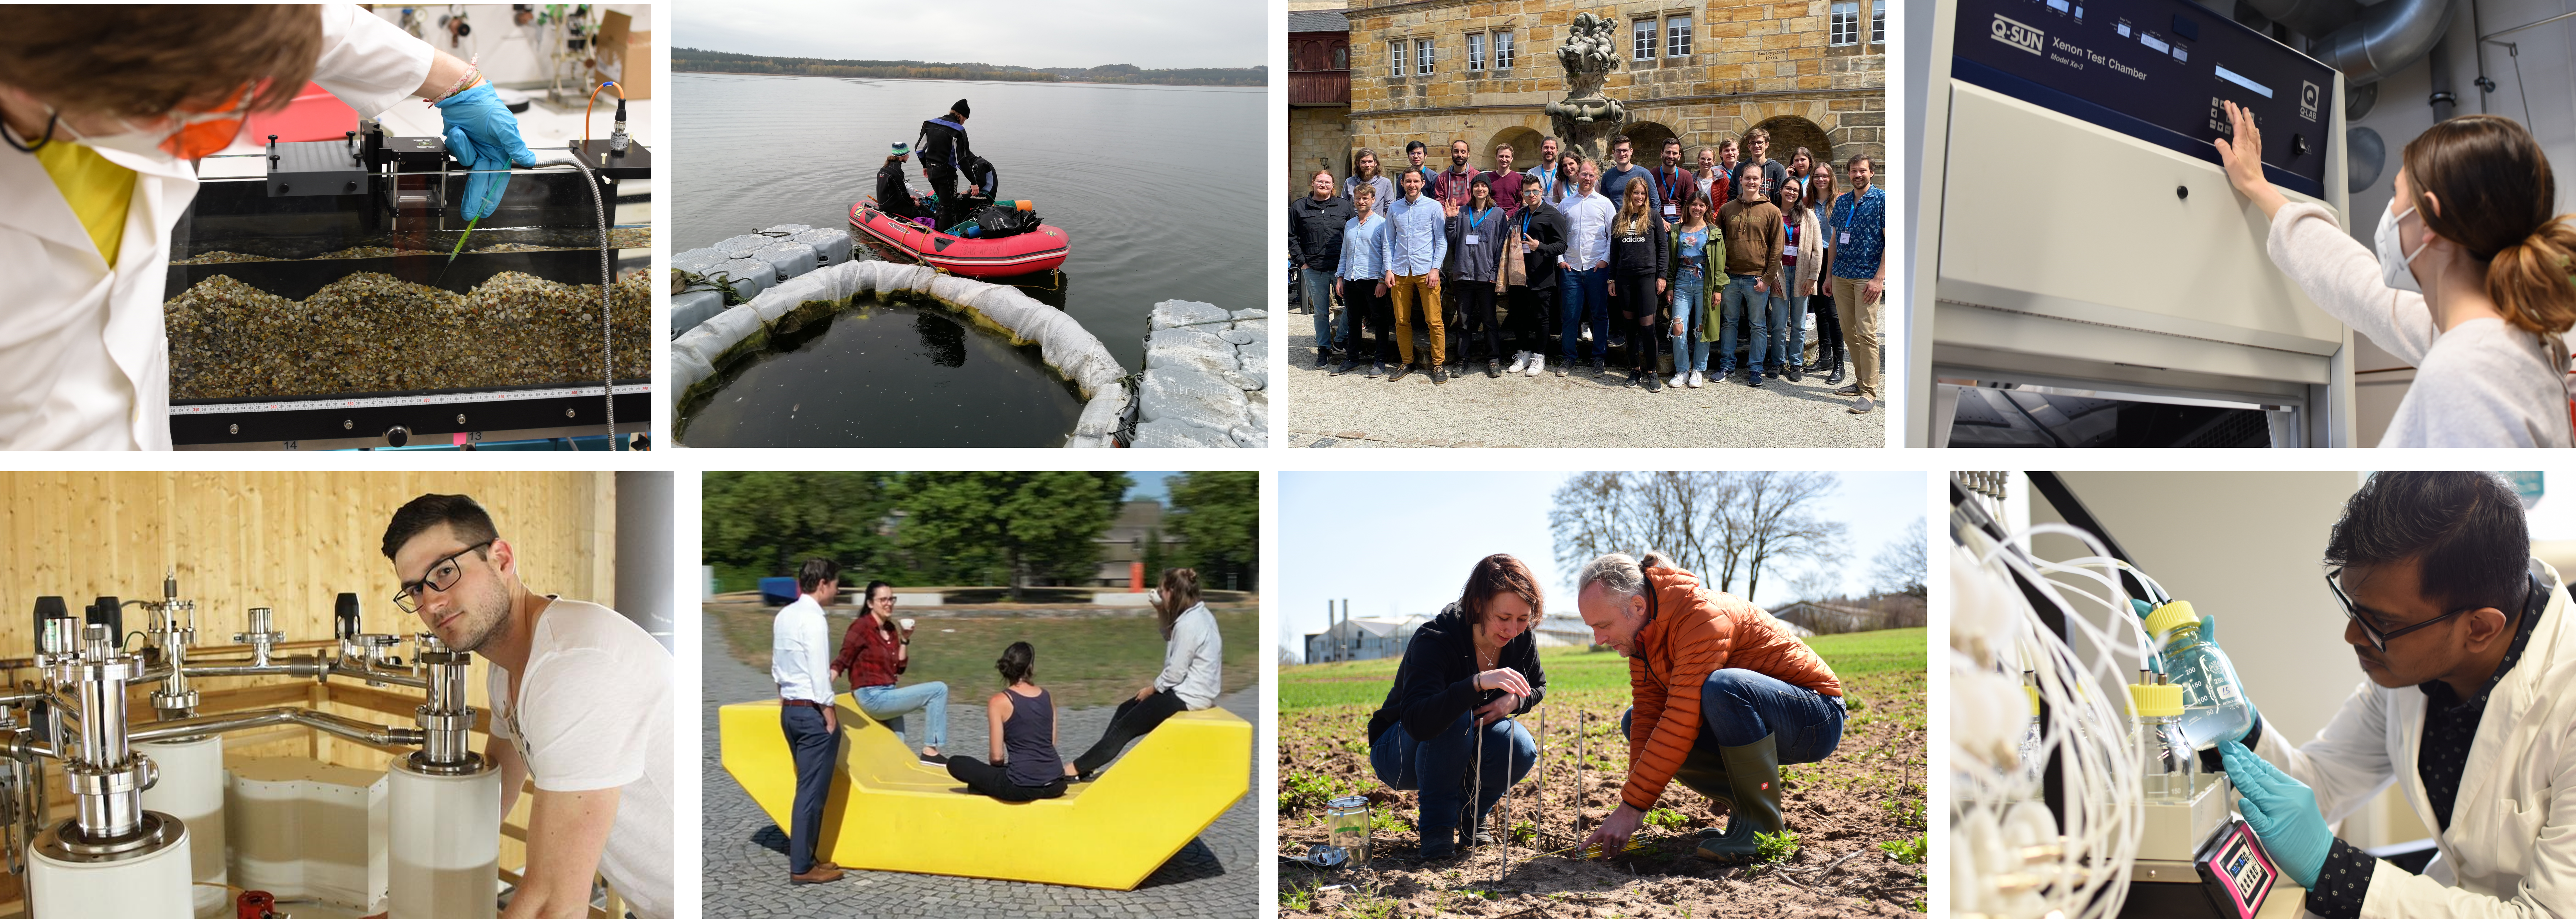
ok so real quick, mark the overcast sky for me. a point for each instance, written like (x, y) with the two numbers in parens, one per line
(1398, 543)
(1152, 34)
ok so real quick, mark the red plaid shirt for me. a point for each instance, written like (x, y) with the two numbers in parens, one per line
(868, 653)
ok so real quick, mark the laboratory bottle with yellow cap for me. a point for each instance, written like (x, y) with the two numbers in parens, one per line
(2213, 705)
(2165, 758)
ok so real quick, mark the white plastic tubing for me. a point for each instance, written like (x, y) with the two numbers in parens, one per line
(1068, 347)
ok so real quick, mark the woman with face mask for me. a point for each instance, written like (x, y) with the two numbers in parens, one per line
(2470, 284)
(105, 111)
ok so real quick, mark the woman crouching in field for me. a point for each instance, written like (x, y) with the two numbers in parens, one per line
(1465, 672)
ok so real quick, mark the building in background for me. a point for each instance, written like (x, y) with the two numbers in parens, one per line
(1125, 547)
(1444, 70)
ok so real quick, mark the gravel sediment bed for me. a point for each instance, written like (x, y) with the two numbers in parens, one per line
(369, 332)
(1575, 410)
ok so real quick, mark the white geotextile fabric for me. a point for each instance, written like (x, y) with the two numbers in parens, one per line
(1206, 372)
(1174, 313)
(1065, 345)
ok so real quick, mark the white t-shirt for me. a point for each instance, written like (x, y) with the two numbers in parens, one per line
(595, 712)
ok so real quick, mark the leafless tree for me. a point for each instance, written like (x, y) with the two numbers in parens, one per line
(1898, 567)
(1774, 519)
(1590, 520)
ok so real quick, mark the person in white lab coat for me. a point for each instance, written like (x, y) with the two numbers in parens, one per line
(2469, 706)
(105, 108)
(2469, 285)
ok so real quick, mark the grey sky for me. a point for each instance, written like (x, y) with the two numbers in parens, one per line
(1153, 34)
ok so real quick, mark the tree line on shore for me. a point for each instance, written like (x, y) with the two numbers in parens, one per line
(688, 60)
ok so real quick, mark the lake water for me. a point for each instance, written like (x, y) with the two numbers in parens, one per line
(1161, 189)
(888, 376)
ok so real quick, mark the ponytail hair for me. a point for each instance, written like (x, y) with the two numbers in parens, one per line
(1180, 592)
(2531, 280)
(2495, 190)
(1016, 662)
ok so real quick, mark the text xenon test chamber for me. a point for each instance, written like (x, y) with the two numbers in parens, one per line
(2083, 264)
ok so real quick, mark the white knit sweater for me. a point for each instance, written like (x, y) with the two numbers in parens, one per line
(2482, 384)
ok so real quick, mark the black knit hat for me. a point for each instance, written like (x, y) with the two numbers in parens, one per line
(960, 109)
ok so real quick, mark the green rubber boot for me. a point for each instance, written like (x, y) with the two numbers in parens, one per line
(1753, 774)
(1704, 772)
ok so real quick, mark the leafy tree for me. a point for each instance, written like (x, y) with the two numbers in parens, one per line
(767, 523)
(1218, 516)
(1032, 524)
(1153, 557)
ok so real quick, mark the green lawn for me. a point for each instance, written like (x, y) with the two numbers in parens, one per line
(1082, 661)
(1851, 655)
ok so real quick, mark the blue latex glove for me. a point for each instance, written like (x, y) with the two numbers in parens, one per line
(2209, 633)
(482, 134)
(2282, 811)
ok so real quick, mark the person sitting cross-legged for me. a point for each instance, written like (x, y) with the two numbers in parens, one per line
(1025, 766)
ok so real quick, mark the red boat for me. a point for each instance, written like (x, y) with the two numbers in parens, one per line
(1037, 250)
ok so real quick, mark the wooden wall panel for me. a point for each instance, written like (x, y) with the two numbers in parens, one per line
(288, 541)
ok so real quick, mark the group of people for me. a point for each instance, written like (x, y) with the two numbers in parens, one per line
(946, 155)
(1723, 696)
(1023, 764)
(1732, 251)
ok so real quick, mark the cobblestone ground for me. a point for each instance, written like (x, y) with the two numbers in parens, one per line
(746, 854)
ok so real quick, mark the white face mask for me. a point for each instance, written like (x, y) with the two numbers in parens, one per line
(2394, 260)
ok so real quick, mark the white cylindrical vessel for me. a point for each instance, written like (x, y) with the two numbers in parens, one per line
(149, 882)
(446, 842)
(192, 789)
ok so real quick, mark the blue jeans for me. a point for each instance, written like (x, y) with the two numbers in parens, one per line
(1318, 292)
(815, 748)
(1787, 333)
(1689, 352)
(890, 703)
(1739, 304)
(1585, 296)
(1738, 707)
(1441, 767)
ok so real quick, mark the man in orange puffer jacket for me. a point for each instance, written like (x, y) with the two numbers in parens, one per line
(1723, 696)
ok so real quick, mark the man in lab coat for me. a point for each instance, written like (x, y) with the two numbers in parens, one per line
(2470, 705)
(105, 110)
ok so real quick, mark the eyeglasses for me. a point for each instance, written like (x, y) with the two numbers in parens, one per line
(2353, 611)
(442, 575)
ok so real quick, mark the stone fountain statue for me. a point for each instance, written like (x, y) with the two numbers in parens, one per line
(1585, 117)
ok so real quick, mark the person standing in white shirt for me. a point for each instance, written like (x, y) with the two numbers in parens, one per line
(1193, 672)
(1583, 289)
(800, 661)
(559, 667)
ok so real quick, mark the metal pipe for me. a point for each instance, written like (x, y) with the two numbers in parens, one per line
(2387, 38)
(368, 673)
(2308, 17)
(303, 665)
(351, 728)
(2527, 25)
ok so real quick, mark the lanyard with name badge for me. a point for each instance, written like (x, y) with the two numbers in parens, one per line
(1473, 223)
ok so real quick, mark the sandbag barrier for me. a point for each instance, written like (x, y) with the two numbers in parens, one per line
(735, 270)
(1068, 348)
(1206, 381)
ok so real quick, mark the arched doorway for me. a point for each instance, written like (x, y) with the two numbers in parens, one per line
(1524, 143)
(1646, 138)
(1790, 132)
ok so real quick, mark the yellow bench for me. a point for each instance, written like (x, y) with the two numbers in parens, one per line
(888, 812)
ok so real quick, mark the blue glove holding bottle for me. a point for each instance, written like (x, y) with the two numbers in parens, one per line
(482, 134)
(2282, 811)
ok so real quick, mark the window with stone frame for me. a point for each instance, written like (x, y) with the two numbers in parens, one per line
(1475, 52)
(1878, 22)
(1843, 25)
(1422, 57)
(1503, 50)
(1643, 31)
(1395, 58)
(1677, 36)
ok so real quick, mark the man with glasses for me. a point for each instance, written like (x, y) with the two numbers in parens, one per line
(558, 669)
(2460, 634)
(874, 651)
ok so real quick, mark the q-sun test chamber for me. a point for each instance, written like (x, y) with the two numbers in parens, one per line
(2085, 275)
